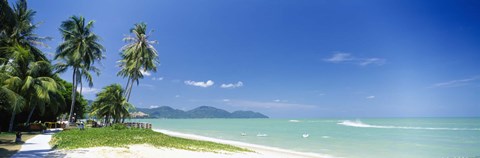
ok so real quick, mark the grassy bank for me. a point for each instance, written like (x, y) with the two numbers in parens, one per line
(95, 137)
(8, 147)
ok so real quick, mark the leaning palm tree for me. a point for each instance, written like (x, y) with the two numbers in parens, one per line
(79, 50)
(40, 81)
(138, 56)
(110, 102)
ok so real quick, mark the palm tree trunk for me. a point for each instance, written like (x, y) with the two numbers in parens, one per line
(10, 127)
(130, 90)
(30, 115)
(74, 90)
(81, 86)
(126, 87)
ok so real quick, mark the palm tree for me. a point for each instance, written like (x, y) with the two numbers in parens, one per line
(33, 80)
(79, 50)
(18, 28)
(138, 56)
(9, 97)
(110, 102)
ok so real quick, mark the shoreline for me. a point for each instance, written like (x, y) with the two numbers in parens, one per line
(256, 148)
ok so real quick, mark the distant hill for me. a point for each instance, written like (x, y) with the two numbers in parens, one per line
(199, 112)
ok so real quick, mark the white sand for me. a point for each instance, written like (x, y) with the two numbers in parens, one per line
(149, 151)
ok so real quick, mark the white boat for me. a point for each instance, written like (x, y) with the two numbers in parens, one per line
(305, 135)
(243, 134)
(262, 135)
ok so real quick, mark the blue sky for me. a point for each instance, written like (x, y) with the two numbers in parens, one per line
(290, 59)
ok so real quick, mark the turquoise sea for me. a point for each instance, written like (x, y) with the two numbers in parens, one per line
(351, 138)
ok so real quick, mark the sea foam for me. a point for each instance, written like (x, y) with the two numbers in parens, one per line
(359, 123)
(293, 120)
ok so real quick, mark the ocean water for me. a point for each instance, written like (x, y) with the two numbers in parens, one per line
(351, 138)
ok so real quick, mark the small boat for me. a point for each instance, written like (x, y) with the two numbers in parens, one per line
(305, 135)
(262, 135)
(243, 134)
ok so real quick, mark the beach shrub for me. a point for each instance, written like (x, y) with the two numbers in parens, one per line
(118, 126)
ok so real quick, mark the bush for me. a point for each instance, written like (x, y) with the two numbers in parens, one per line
(119, 126)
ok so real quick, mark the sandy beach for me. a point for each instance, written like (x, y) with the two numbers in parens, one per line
(147, 151)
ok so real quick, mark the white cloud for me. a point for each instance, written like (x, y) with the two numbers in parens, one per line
(157, 78)
(232, 85)
(368, 61)
(278, 100)
(200, 84)
(177, 96)
(370, 97)
(153, 106)
(340, 57)
(145, 73)
(457, 83)
(88, 90)
(226, 100)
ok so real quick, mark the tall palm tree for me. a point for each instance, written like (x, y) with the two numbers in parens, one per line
(138, 56)
(110, 102)
(79, 50)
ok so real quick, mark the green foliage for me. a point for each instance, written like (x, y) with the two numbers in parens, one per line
(26, 74)
(18, 28)
(27, 81)
(118, 126)
(81, 104)
(96, 137)
(110, 102)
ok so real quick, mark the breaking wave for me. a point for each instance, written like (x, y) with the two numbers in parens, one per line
(358, 123)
